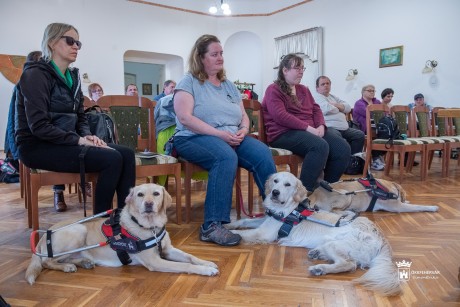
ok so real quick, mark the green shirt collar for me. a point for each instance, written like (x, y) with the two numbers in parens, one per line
(67, 77)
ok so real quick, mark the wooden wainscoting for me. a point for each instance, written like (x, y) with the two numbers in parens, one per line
(264, 275)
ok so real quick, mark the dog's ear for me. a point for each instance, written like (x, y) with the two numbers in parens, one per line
(167, 200)
(268, 184)
(130, 196)
(300, 192)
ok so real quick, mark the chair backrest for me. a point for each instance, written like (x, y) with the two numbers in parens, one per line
(133, 117)
(440, 125)
(87, 102)
(402, 116)
(256, 121)
(374, 112)
(422, 116)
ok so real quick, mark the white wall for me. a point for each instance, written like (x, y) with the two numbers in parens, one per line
(354, 31)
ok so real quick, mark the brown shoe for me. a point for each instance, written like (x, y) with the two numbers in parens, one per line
(59, 202)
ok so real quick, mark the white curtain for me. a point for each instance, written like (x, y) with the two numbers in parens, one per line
(307, 43)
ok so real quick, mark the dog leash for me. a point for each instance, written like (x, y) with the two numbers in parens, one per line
(240, 196)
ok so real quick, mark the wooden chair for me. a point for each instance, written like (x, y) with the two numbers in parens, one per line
(280, 156)
(87, 102)
(402, 115)
(131, 116)
(34, 179)
(421, 117)
(399, 146)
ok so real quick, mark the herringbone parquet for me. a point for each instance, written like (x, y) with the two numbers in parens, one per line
(264, 275)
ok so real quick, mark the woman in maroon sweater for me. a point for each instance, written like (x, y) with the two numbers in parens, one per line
(295, 122)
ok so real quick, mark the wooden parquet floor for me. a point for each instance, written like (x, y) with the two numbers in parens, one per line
(263, 275)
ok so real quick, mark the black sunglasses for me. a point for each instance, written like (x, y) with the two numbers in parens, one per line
(70, 41)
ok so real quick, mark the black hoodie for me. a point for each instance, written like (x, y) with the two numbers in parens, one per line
(46, 108)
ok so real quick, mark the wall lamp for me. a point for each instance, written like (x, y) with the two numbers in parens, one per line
(86, 78)
(429, 66)
(223, 6)
(352, 73)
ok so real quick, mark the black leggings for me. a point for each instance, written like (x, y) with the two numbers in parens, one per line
(116, 168)
(330, 153)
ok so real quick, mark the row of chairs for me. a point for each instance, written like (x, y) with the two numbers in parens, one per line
(426, 133)
(131, 116)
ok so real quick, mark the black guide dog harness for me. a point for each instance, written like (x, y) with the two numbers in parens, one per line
(373, 187)
(124, 243)
(299, 214)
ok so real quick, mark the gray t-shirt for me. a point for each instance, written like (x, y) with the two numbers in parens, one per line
(218, 106)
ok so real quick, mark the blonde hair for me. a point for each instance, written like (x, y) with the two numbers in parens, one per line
(198, 52)
(53, 32)
(92, 87)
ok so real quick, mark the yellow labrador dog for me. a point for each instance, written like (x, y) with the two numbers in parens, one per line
(356, 244)
(144, 217)
(339, 199)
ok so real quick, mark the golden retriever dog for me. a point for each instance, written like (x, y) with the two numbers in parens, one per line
(338, 199)
(144, 216)
(356, 244)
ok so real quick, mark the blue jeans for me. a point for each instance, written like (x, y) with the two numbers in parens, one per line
(221, 161)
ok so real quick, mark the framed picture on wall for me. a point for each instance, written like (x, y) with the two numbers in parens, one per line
(146, 88)
(392, 56)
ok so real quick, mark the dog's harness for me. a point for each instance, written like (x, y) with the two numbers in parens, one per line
(372, 186)
(295, 217)
(125, 243)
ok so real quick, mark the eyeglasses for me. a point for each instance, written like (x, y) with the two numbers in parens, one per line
(70, 41)
(370, 91)
(299, 69)
(97, 91)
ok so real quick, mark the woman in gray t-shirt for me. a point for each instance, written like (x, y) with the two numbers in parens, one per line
(211, 132)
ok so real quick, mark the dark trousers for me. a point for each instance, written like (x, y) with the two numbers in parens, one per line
(116, 167)
(354, 137)
(330, 153)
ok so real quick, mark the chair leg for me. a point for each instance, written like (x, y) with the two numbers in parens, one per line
(188, 197)
(238, 192)
(34, 188)
(177, 177)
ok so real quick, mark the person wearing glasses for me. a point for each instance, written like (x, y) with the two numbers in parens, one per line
(95, 92)
(294, 121)
(51, 126)
(359, 115)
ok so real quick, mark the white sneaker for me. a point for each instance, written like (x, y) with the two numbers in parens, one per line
(377, 165)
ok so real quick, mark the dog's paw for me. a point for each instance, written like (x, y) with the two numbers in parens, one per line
(70, 268)
(314, 254)
(210, 264)
(87, 264)
(210, 271)
(316, 270)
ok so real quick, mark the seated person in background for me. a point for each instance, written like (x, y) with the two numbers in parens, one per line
(359, 115)
(212, 128)
(131, 90)
(334, 110)
(51, 128)
(295, 122)
(168, 88)
(419, 101)
(95, 92)
(387, 96)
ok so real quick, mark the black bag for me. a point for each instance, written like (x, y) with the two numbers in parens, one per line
(101, 124)
(355, 166)
(387, 128)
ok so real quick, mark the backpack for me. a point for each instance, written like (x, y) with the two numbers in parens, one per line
(387, 128)
(101, 124)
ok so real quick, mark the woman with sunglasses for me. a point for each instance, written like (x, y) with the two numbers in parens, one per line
(51, 125)
(294, 121)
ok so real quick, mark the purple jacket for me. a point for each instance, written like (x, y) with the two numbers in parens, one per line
(359, 112)
(282, 115)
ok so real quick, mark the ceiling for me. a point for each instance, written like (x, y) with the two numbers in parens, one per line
(239, 8)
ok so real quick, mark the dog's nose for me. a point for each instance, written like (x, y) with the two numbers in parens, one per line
(276, 193)
(148, 206)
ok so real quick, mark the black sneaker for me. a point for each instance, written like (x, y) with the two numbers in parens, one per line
(219, 234)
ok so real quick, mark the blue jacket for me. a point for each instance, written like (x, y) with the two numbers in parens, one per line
(164, 114)
(10, 144)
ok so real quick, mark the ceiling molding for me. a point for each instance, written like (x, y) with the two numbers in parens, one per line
(219, 16)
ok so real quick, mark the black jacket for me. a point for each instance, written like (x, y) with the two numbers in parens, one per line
(46, 108)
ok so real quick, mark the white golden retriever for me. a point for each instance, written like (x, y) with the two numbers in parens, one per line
(357, 244)
(143, 215)
(338, 200)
